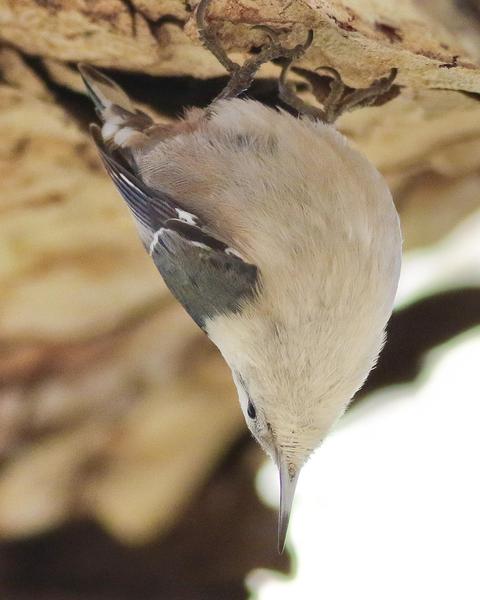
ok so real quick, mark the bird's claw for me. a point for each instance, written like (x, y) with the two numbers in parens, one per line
(349, 98)
(328, 88)
(281, 51)
(335, 96)
(243, 75)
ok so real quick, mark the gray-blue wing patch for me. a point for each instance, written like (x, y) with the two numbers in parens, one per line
(207, 281)
(203, 272)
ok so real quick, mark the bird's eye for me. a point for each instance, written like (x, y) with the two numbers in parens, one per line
(251, 412)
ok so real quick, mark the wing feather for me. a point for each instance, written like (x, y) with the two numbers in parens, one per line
(206, 275)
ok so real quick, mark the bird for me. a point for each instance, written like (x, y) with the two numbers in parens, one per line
(279, 238)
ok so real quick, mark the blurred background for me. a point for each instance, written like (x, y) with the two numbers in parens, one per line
(126, 472)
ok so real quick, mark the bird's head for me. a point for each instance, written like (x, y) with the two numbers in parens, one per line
(288, 421)
(294, 382)
(289, 449)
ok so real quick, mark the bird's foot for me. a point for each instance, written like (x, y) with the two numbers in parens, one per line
(242, 75)
(335, 96)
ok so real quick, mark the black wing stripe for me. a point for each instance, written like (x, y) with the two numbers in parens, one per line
(204, 274)
(195, 234)
(151, 207)
(137, 200)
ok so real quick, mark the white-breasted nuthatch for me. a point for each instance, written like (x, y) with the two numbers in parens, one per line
(280, 240)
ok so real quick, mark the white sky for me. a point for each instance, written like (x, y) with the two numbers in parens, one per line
(455, 261)
(389, 507)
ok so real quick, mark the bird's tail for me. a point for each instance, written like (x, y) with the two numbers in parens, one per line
(123, 124)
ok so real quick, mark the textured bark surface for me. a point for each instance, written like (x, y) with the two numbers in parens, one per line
(362, 38)
(113, 406)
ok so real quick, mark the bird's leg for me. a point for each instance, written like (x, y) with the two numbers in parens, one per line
(289, 95)
(335, 96)
(242, 75)
(342, 98)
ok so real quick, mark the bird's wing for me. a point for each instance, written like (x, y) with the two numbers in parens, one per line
(206, 275)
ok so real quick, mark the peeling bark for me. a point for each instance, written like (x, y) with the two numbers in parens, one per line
(363, 39)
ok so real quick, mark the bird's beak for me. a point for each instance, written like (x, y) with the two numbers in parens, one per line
(288, 482)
